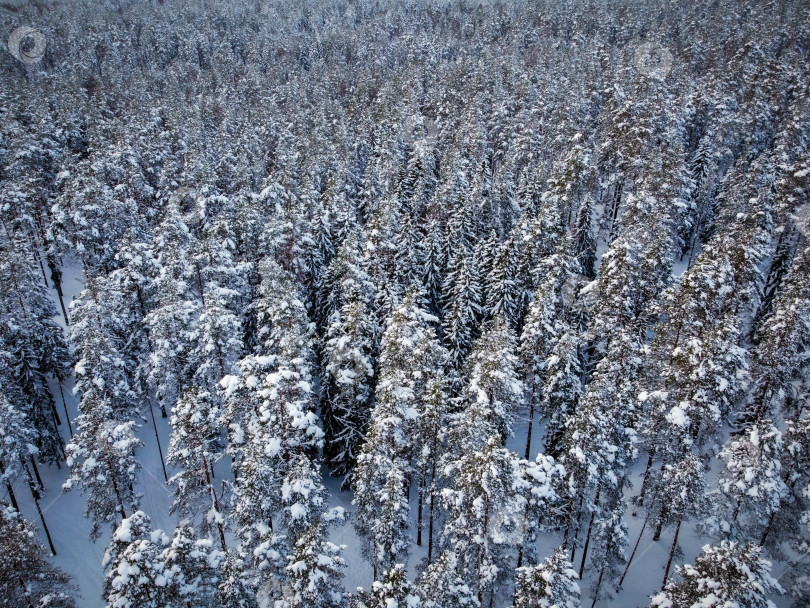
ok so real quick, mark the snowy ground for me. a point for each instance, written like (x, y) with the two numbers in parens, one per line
(81, 558)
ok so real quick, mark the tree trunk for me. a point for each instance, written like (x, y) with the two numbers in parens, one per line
(215, 502)
(117, 493)
(569, 523)
(486, 525)
(430, 517)
(671, 554)
(41, 265)
(157, 440)
(640, 497)
(56, 277)
(36, 470)
(523, 544)
(767, 529)
(588, 536)
(598, 586)
(64, 406)
(35, 495)
(635, 548)
(11, 495)
(419, 512)
(531, 422)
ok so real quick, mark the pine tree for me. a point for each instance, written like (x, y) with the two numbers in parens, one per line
(172, 322)
(27, 578)
(562, 386)
(636, 267)
(410, 357)
(101, 455)
(433, 271)
(191, 567)
(494, 390)
(485, 487)
(432, 436)
(678, 495)
(550, 584)
(752, 486)
(393, 590)
(349, 381)
(506, 294)
(33, 346)
(314, 565)
(193, 449)
(728, 574)
(16, 445)
(102, 462)
(441, 585)
(136, 575)
(463, 306)
(233, 590)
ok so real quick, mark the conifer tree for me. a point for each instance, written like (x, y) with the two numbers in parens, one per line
(486, 486)
(193, 449)
(752, 485)
(27, 578)
(494, 390)
(727, 574)
(441, 585)
(101, 455)
(393, 590)
(136, 575)
(552, 583)
(349, 381)
(410, 356)
(191, 567)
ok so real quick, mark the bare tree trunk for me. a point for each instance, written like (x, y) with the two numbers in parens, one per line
(430, 522)
(531, 423)
(767, 529)
(215, 502)
(36, 496)
(640, 497)
(36, 470)
(635, 548)
(11, 495)
(588, 536)
(157, 440)
(56, 277)
(64, 406)
(419, 511)
(671, 554)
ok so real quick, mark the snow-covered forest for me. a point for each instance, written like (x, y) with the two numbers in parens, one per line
(377, 304)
